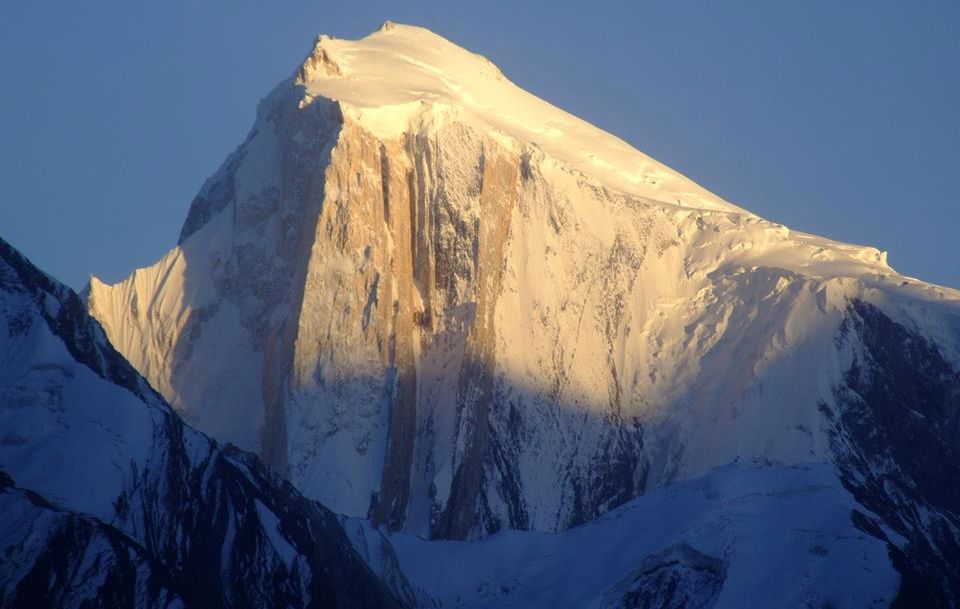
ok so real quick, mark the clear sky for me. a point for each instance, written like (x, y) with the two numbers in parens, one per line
(837, 118)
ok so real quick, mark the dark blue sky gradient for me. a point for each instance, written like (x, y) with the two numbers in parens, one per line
(837, 118)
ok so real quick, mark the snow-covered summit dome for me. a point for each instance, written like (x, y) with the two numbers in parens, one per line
(402, 77)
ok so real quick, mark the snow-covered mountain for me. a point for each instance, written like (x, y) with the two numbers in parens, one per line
(431, 299)
(109, 500)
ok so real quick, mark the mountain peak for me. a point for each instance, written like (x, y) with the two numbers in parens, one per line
(402, 77)
(318, 62)
(434, 300)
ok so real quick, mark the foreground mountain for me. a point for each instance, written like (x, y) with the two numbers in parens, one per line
(434, 300)
(109, 500)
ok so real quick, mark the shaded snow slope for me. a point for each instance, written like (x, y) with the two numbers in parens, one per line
(57, 558)
(109, 500)
(740, 537)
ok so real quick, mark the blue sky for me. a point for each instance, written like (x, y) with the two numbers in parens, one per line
(837, 118)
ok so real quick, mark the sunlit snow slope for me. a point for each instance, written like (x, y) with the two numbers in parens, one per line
(404, 77)
(434, 300)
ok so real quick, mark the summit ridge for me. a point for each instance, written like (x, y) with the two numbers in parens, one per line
(397, 74)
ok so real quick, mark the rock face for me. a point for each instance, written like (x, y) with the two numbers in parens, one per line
(895, 425)
(56, 558)
(429, 298)
(679, 576)
(110, 500)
